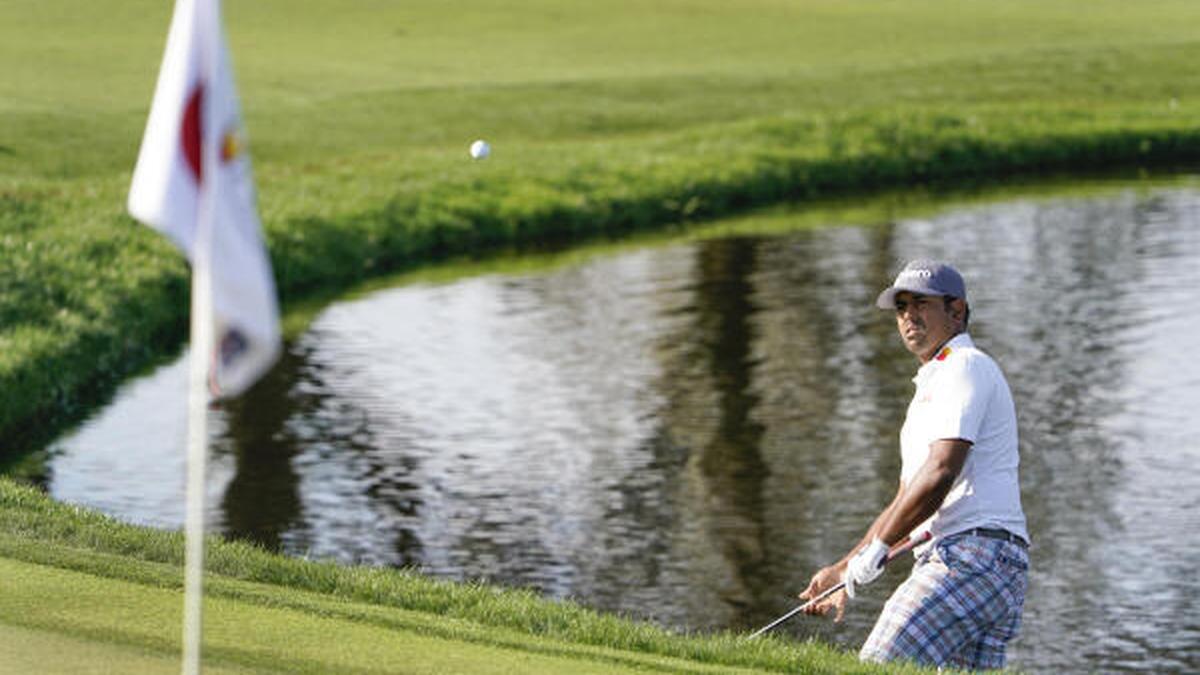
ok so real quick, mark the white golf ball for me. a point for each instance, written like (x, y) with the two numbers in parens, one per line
(480, 149)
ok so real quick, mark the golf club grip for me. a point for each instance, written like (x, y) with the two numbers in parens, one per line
(905, 546)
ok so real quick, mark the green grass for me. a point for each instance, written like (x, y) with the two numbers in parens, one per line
(264, 629)
(87, 583)
(25, 650)
(325, 80)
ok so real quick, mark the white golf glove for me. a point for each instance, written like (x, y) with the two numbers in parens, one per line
(865, 566)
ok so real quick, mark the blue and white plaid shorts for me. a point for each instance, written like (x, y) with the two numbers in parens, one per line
(959, 608)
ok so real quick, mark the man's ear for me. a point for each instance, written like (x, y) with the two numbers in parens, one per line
(958, 309)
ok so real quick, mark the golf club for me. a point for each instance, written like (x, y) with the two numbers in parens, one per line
(895, 552)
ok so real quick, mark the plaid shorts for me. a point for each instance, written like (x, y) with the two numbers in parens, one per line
(959, 608)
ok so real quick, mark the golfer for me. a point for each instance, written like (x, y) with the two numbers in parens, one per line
(962, 603)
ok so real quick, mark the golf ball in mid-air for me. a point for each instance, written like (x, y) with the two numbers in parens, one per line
(480, 149)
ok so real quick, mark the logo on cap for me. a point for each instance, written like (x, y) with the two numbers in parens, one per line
(917, 274)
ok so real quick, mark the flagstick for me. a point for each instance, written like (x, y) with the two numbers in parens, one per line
(201, 352)
(197, 455)
(197, 459)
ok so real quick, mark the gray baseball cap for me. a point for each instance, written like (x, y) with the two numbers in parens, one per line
(924, 277)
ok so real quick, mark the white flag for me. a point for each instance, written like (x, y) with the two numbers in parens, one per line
(193, 183)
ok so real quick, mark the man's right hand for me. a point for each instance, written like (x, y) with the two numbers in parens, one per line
(826, 578)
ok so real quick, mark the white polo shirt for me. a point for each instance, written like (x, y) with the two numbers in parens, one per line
(961, 394)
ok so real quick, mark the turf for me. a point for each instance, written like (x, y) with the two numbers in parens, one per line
(325, 80)
(125, 627)
(25, 650)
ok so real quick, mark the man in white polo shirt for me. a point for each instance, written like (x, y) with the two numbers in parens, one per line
(962, 604)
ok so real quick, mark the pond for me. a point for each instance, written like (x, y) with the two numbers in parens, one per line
(685, 430)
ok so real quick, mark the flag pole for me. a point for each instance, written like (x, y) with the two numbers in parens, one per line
(197, 460)
(202, 345)
(197, 454)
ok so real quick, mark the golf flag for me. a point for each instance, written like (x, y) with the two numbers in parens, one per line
(193, 183)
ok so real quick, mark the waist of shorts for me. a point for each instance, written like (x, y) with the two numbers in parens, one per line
(992, 533)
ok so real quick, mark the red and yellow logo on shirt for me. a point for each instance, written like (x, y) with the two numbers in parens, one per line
(943, 354)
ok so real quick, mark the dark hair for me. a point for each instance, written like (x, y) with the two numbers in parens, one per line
(966, 308)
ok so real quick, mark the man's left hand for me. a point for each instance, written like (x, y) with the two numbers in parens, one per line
(865, 566)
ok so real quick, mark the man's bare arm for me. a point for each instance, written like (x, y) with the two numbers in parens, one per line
(925, 493)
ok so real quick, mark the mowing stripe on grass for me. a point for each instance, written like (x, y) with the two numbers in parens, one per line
(144, 622)
(48, 652)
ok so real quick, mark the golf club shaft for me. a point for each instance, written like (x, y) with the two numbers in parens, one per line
(894, 553)
(796, 610)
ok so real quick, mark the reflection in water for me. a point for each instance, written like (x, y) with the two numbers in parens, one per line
(709, 410)
(262, 502)
(825, 406)
(685, 433)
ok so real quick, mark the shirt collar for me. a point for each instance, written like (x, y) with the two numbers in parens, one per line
(960, 341)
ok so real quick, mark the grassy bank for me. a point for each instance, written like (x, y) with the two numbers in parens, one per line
(82, 582)
(605, 118)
